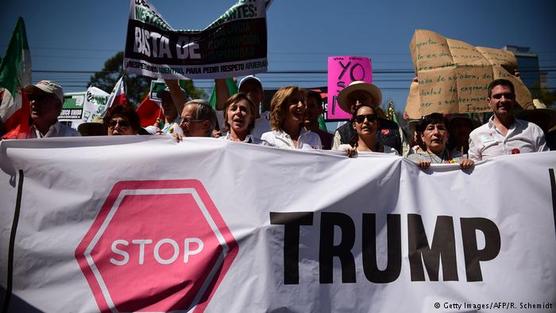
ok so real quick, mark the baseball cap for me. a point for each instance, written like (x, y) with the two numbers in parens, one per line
(46, 86)
(248, 78)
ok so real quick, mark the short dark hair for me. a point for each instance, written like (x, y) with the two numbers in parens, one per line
(433, 118)
(315, 95)
(124, 111)
(500, 82)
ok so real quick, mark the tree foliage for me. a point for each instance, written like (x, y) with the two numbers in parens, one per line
(137, 86)
(545, 95)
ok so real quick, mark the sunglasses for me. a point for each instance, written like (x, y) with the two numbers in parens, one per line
(122, 123)
(40, 97)
(369, 117)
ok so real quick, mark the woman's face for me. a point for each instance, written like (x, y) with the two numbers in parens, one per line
(365, 123)
(239, 116)
(435, 137)
(296, 109)
(120, 125)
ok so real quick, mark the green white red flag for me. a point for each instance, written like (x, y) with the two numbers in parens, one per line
(15, 73)
(117, 96)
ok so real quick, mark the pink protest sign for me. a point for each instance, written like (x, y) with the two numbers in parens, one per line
(342, 70)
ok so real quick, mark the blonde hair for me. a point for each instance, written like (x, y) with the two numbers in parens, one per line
(279, 104)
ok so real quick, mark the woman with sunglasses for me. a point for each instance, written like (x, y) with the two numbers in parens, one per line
(287, 115)
(365, 122)
(121, 120)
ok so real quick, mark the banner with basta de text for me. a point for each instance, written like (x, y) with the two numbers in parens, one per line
(233, 45)
(145, 224)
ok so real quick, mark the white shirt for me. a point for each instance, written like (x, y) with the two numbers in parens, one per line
(248, 138)
(280, 139)
(387, 149)
(262, 125)
(486, 142)
(56, 130)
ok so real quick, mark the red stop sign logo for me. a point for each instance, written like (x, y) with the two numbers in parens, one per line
(156, 246)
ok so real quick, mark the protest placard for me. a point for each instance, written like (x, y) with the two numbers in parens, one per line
(342, 70)
(72, 108)
(453, 75)
(233, 45)
(95, 104)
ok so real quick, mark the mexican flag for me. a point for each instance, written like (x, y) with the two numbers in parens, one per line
(15, 73)
(117, 97)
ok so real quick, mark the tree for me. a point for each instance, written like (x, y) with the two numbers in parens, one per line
(545, 95)
(137, 86)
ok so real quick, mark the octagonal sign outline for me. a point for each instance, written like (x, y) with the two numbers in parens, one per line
(228, 244)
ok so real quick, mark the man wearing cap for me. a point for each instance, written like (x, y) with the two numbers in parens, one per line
(46, 99)
(253, 88)
(503, 133)
(363, 92)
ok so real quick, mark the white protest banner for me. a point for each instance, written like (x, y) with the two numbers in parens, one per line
(146, 224)
(233, 45)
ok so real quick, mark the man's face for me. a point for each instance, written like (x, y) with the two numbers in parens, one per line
(501, 101)
(45, 108)
(190, 126)
(313, 110)
(253, 90)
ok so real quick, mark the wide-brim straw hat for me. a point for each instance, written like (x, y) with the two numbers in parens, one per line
(373, 90)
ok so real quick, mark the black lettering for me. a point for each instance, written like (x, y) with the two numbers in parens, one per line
(344, 69)
(352, 72)
(472, 254)
(292, 223)
(328, 250)
(443, 248)
(394, 265)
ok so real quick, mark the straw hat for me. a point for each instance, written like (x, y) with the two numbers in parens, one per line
(373, 90)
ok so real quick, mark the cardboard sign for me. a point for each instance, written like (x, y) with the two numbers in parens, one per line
(342, 70)
(453, 75)
(233, 45)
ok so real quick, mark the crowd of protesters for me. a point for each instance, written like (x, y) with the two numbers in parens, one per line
(292, 122)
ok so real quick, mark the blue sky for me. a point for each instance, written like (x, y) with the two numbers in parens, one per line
(81, 35)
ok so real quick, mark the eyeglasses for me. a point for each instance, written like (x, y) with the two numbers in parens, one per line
(189, 120)
(361, 118)
(122, 123)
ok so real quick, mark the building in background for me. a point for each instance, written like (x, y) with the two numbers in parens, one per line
(528, 66)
